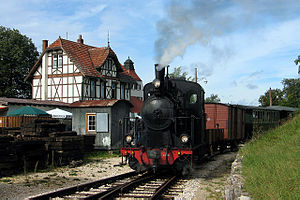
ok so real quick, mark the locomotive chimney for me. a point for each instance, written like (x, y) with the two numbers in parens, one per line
(159, 74)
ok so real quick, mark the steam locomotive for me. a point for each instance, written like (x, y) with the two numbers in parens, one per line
(174, 129)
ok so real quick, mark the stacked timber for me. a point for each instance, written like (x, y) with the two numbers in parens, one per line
(3, 131)
(31, 154)
(41, 127)
(39, 143)
(13, 131)
(67, 146)
(89, 141)
(8, 158)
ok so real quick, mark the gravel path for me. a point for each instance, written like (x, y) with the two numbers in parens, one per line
(208, 180)
(205, 182)
(21, 187)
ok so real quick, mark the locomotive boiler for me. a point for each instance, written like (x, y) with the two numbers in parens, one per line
(171, 131)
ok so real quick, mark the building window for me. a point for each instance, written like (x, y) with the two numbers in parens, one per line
(109, 62)
(93, 88)
(135, 86)
(54, 61)
(90, 122)
(113, 91)
(193, 98)
(102, 90)
(108, 68)
(57, 60)
(122, 91)
(60, 60)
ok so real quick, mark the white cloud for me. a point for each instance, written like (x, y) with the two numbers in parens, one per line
(252, 54)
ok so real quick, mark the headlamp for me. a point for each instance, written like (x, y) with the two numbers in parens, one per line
(184, 138)
(156, 83)
(128, 138)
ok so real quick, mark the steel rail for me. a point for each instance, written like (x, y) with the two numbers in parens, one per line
(163, 187)
(127, 186)
(81, 187)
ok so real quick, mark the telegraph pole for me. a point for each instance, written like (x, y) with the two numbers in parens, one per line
(196, 74)
(270, 97)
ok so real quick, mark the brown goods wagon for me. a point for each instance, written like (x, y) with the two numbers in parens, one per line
(231, 118)
(214, 136)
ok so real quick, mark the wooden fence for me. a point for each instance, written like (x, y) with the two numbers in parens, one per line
(17, 121)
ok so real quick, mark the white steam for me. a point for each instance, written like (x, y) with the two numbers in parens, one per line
(199, 21)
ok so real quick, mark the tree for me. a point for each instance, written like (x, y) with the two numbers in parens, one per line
(297, 61)
(178, 73)
(17, 55)
(291, 90)
(276, 96)
(213, 99)
(289, 96)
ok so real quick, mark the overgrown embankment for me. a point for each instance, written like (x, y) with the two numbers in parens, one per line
(271, 163)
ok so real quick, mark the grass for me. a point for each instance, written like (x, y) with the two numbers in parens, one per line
(6, 181)
(99, 155)
(271, 163)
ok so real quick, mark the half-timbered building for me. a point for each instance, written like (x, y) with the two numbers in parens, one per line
(70, 71)
(91, 79)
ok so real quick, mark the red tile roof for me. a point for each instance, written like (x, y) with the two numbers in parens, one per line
(137, 104)
(99, 55)
(86, 58)
(131, 73)
(97, 103)
(134, 75)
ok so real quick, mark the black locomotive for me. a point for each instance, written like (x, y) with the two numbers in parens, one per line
(172, 128)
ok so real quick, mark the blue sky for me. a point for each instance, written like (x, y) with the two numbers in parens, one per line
(241, 48)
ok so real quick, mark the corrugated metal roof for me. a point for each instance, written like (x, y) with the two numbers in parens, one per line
(6, 100)
(97, 103)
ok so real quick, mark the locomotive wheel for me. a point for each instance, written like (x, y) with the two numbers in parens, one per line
(135, 165)
(233, 146)
(223, 147)
(183, 165)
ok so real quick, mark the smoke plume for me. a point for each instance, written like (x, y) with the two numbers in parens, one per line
(200, 21)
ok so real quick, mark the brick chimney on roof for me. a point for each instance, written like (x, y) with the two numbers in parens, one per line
(80, 40)
(45, 45)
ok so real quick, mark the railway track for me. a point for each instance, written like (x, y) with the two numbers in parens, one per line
(125, 186)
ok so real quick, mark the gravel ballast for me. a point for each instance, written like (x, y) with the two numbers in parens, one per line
(206, 180)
